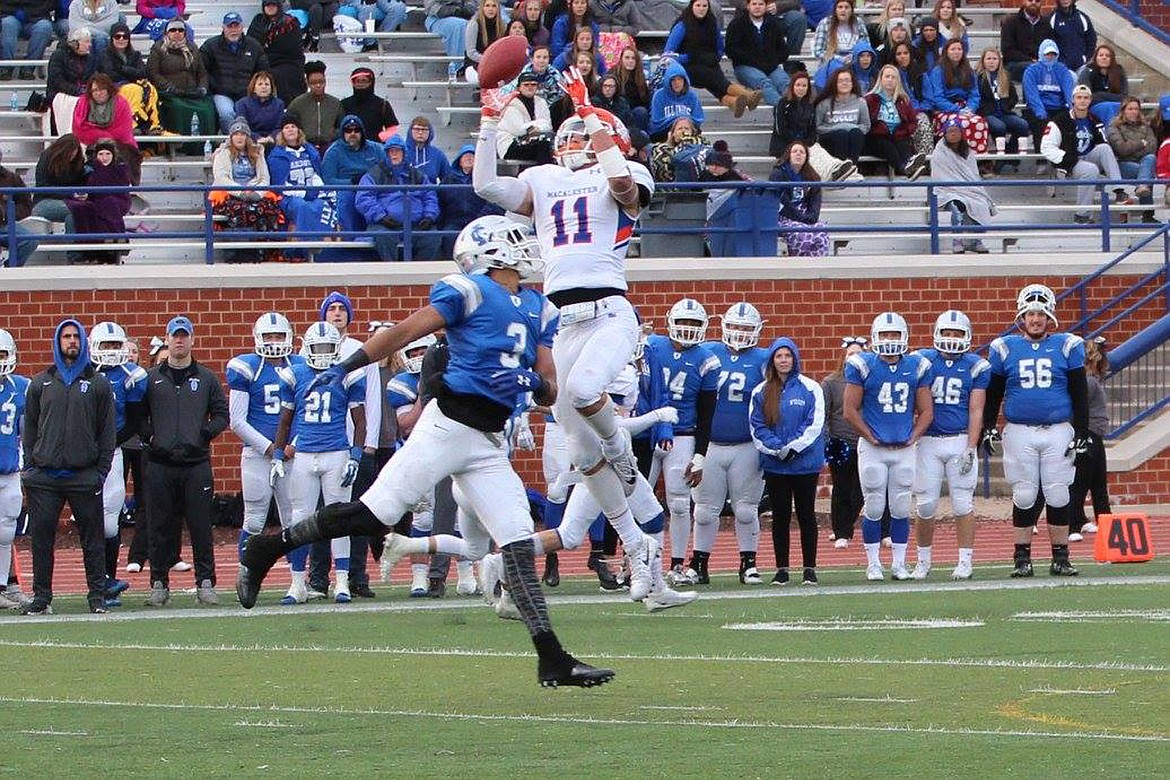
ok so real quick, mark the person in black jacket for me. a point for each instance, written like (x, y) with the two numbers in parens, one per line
(1074, 142)
(231, 59)
(755, 42)
(68, 442)
(1020, 36)
(280, 35)
(183, 411)
(377, 115)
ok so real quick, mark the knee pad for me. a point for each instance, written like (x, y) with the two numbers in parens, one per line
(585, 451)
(678, 504)
(572, 535)
(746, 513)
(927, 507)
(478, 549)
(254, 525)
(962, 503)
(7, 530)
(706, 514)
(1024, 495)
(1056, 495)
(1023, 518)
(874, 504)
(582, 386)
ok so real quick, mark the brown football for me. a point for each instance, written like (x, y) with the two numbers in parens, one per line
(503, 61)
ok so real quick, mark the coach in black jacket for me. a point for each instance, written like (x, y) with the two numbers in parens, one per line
(184, 409)
(755, 44)
(68, 441)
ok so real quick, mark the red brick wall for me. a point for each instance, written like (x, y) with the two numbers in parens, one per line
(815, 312)
(1157, 13)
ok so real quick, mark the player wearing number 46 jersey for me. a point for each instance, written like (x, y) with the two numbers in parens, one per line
(1040, 377)
(888, 401)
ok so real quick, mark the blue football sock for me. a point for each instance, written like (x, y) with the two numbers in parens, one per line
(244, 536)
(900, 530)
(871, 530)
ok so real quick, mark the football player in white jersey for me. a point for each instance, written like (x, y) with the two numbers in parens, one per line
(584, 212)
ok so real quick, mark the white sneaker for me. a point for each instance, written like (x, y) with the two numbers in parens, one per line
(874, 573)
(467, 584)
(491, 574)
(341, 593)
(314, 595)
(6, 602)
(12, 598)
(1089, 527)
(625, 464)
(297, 594)
(841, 544)
(133, 567)
(752, 577)
(181, 565)
(962, 572)
(900, 573)
(506, 608)
(667, 598)
(419, 585)
(394, 551)
(1075, 537)
(640, 562)
(921, 569)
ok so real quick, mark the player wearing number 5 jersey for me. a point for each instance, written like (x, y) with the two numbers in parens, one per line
(1040, 377)
(584, 212)
(958, 384)
(888, 401)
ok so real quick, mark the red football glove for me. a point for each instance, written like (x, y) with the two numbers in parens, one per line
(578, 91)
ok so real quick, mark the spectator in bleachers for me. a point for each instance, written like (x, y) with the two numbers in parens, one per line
(448, 20)
(892, 120)
(70, 69)
(842, 117)
(1106, 77)
(231, 59)
(879, 29)
(22, 208)
(31, 20)
(865, 66)
(385, 210)
(795, 22)
(531, 16)
(1074, 142)
(563, 32)
(609, 97)
(794, 119)
(800, 206)
(680, 155)
(239, 162)
(481, 31)
(294, 162)
(62, 164)
(583, 43)
(756, 44)
(319, 12)
(953, 90)
(103, 114)
(913, 72)
(421, 152)
(102, 212)
(97, 16)
(153, 16)
(1048, 87)
(834, 39)
(319, 111)
(696, 42)
(377, 115)
(950, 25)
(672, 100)
(176, 68)
(1073, 32)
(126, 66)
(388, 15)
(817, 11)
(586, 64)
(458, 207)
(525, 131)
(345, 162)
(631, 81)
(897, 31)
(1135, 147)
(280, 36)
(262, 109)
(1020, 36)
(969, 204)
(516, 27)
(928, 42)
(997, 103)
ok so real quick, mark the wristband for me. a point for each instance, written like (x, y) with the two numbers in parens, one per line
(613, 163)
(697, 462)
(278, 453)
(355, 453)
(592, 120)
(359, 359)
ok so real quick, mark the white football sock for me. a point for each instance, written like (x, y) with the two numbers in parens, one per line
(871, 553)
(899, 554)
(924, 554)
(966, 555)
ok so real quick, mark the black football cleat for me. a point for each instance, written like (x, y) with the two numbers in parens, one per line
(1062, 569)
(552, 570)
(1023, 569)
(605, 576)
(261, 552)
(572, 673)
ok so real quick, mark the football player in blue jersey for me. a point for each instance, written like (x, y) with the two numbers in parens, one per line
(499, 336)
(1039, 375)
(13, 387)
(322, 465)
(732, 466)
(690, 378)
(888, 401)
(958, 385)
(110, 355)
(254, 381)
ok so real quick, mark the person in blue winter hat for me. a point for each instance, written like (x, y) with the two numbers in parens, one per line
(386, 210)
(1048, 87)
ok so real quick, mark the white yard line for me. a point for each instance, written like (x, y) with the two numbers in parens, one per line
(1096, 616)
(1074, 692)
(843, 624)
(887, 699)
(571, 719)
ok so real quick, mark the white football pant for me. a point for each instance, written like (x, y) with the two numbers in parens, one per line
(939, 458)
(314, 475)
(255, 468)
(10, 500)
(729, 470)
(672, 465)
(114, 494)
(885, 470)
(1036, 456)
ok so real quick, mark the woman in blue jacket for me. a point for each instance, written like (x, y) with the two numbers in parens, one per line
(788, 428)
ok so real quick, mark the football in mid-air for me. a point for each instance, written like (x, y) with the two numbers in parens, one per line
(503, 61)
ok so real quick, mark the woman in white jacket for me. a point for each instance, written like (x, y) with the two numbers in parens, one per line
(526, 131)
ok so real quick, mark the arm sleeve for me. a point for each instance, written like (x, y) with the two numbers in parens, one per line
(507, 192)
(705, 408)
(636, 425)
(1078, 391)
(995, 389)
(238, 414)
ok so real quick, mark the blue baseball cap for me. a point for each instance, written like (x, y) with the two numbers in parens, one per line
(180, 323)
(1164, 107)
(232, 18)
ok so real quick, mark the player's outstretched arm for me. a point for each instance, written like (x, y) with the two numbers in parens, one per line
(613, 163)
(507, 192)
(386, 342)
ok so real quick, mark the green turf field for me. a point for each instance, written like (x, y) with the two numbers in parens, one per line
(988, 679)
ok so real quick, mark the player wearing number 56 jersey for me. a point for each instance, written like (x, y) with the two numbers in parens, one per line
(1040, 377)
(888, 401)
(12, 391)
(958, 384)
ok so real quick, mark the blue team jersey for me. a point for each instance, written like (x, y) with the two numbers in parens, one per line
(1036, 376)
(889, 392)
(684, 374)
(402, 390)
(319, 417)
(262, 379)
(128, 383)
(739, 373)
(488, 330)
(12, 392)
(951, 381)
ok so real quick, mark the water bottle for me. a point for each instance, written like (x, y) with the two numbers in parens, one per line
(14, 102)
(207, 148)
(194, 124)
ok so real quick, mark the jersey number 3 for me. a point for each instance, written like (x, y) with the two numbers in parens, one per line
(581, 233)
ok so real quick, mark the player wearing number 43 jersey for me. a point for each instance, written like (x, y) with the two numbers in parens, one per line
(958, 384)
(1040, 377)
(888, 401)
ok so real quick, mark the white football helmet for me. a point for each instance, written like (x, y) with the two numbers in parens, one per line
(273, 322)
(414, 364)
(573, 147)
(1037, 297)
(108, 333)
(688, 310)
(8, 351)
(952, 319)
(497, 242)
(742, 325)
(321, 345)
(889, 322)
